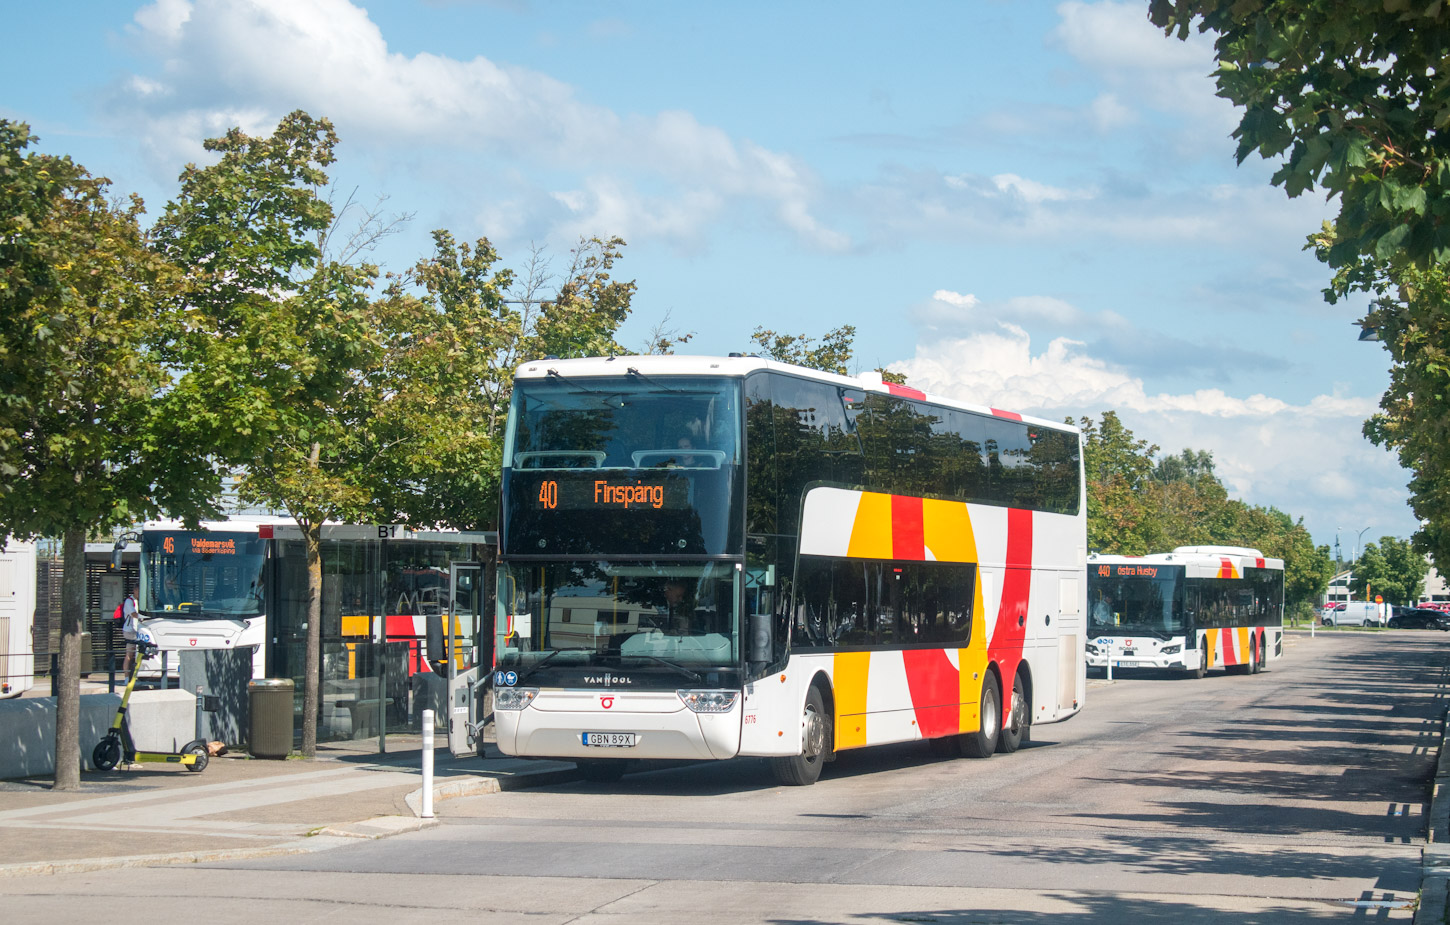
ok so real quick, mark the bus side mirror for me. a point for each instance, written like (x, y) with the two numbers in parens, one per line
(762, 638)
(117, 551)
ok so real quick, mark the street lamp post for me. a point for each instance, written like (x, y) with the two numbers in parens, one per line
(1357, 537)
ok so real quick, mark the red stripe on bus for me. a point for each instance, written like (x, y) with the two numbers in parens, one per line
(908, 537)
(935, 688)
(1016, 588)
(1009, 415)
(905, 391)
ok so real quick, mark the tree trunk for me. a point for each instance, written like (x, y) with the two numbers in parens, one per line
(68, 682)
(312, 535)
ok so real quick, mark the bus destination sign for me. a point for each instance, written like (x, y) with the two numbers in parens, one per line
(611, 494)
(1127, 571)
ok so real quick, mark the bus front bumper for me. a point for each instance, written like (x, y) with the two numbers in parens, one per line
(558, 723)
(1176, 661)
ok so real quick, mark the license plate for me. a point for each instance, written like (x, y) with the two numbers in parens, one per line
(609, 739)
(1120, 664)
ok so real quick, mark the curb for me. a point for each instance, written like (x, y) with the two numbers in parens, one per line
(561, 773)
(1435, 858)
(302, 845)
(321, 839)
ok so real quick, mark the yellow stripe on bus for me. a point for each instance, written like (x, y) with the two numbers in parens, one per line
(850, 677)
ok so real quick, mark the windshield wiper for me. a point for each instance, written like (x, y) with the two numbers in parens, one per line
(673, 666)
(574, 384)
(631, 371)
(527, 673)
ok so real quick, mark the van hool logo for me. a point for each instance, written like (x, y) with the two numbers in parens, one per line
(608, 679)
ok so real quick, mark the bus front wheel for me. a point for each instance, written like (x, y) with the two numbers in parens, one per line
(804, 769)
(983, 742)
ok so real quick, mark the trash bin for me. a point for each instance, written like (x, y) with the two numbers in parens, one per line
(270, 700)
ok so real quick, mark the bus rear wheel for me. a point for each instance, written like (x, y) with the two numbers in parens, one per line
(983, 742)
(1256, 655)
(1018, 728)
(805, 769)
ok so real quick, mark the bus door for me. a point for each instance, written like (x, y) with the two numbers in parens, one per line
(462, 651)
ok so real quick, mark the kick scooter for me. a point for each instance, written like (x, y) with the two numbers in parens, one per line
(117, 744)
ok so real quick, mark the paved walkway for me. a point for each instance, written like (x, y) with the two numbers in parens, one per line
(241, 807)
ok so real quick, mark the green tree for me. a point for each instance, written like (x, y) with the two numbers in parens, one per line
(479, 322)
(86, 440)
(1349, 97)
(831, 354)
(1117, 467)
(342, 406)
(1392, 570)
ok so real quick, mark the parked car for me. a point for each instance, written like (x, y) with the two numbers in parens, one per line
(1355, 613)
(1420, 618)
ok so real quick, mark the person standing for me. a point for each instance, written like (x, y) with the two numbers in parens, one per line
(130, 623)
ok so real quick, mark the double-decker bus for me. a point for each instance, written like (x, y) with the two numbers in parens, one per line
(711, 557)
(1192, 609)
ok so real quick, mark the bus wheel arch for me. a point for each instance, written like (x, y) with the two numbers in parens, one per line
(805, 768)
(822, 684)
(982, 743)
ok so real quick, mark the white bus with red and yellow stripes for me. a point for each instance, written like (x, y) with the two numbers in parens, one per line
(1189, 610)
(711, 557)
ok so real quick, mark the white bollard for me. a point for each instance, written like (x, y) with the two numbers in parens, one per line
(1110, 664)
(427, 765)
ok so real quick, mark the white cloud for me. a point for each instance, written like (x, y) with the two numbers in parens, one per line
(1146, 69)
(266, 57)
(1309, 459)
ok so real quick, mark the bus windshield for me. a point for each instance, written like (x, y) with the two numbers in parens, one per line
(605, 614)
(202, 574)
(631, 465)
(1135, 599)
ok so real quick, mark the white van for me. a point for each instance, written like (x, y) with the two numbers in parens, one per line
(1356, 613)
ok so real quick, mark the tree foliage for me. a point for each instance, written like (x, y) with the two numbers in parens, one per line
(1392, 570)
(85, 440)
(1139, 504)
(1352, 98)
(832, 353)
(475, 323)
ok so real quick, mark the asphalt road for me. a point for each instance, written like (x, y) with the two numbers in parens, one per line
(1298, 795)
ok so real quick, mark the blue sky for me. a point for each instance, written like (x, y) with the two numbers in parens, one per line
(1028, 205)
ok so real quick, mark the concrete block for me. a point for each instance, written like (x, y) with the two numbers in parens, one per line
(27, 733)
(223, 674)
(161, 721)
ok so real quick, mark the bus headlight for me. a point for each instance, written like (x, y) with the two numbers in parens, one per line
(1172, 650)
(709, 701)
(514, 698)
(1092, 649)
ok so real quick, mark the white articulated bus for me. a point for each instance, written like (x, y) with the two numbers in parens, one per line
(1195, 608)
(710, 557)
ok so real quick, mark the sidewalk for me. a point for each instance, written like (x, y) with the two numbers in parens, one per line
(242, 807)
